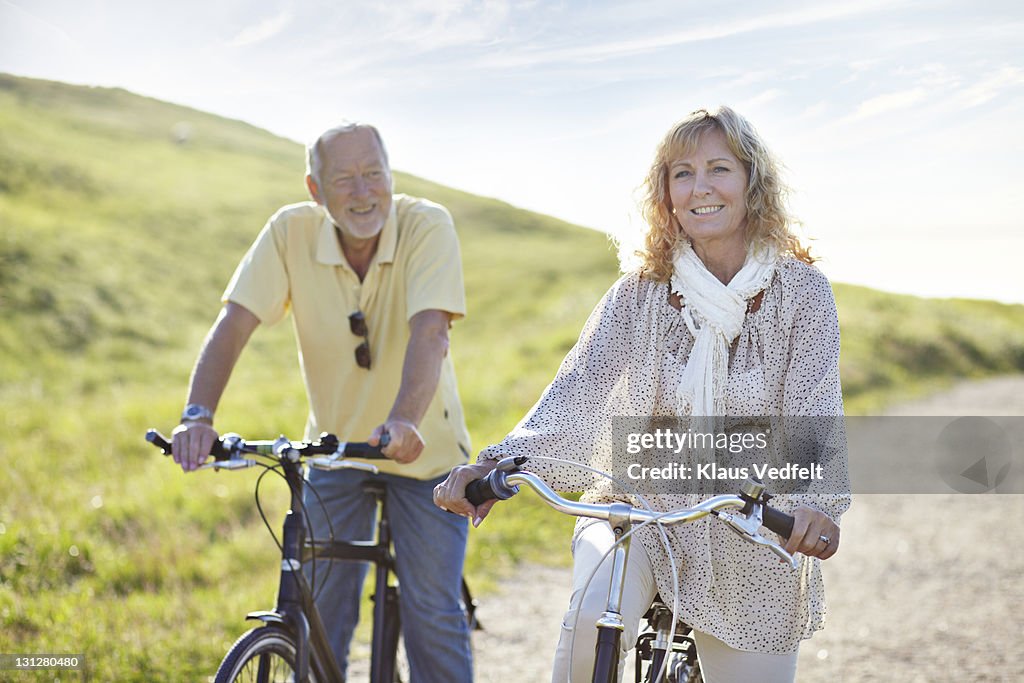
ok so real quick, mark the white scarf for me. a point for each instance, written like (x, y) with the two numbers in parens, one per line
(720, 310)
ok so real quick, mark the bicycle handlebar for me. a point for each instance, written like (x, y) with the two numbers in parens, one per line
(325, 453)
(752, 503)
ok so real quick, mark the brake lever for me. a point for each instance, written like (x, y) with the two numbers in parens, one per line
(749, 528)
(511, 463)
(335, 461)
(230, 464)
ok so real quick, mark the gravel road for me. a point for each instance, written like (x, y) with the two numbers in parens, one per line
(925, 587)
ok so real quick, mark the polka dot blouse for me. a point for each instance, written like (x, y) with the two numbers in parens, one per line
(627, 362)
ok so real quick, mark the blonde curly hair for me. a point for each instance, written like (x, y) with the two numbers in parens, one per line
(768, 220)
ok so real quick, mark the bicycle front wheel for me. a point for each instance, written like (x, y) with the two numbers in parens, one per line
(265, 654)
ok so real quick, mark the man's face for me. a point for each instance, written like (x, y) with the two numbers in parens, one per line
(354, 184)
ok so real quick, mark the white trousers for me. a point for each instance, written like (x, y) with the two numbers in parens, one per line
(719, 662)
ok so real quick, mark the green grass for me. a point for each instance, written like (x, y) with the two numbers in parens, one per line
(897, 347)
(115, 243)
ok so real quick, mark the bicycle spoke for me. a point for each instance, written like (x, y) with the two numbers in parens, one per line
(268, 667)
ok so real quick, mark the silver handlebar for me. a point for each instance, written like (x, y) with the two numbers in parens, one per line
(747, 526)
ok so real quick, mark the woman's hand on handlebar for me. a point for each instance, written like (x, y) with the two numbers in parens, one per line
(450, 494)
(191, 443)
(809, 528)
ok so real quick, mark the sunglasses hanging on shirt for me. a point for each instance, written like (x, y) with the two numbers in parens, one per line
(357, 324)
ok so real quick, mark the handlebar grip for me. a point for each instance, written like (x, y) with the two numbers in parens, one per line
(480, 491)
(777, 521)
(361, 449)
(161, 442)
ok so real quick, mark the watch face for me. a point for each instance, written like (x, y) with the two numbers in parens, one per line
(195, 412)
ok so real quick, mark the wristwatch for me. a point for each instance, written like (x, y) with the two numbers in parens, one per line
(195, 412)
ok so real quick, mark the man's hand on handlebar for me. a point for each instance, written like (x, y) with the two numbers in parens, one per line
(406, 443)
(191, 444)
(450, 494)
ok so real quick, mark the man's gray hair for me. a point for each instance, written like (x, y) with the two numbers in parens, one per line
(313, 150)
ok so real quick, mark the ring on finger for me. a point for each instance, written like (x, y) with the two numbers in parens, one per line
(825, 539)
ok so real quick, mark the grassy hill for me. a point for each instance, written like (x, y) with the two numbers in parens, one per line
(117, 235)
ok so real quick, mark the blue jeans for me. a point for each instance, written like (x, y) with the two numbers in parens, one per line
(430, 547)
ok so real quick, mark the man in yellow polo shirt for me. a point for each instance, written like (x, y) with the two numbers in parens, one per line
(373, 281)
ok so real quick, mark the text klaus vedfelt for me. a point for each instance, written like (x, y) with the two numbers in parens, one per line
(667, 439)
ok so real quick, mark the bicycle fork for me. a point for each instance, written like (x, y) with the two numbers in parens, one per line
(672, 660)
(610, 625)
(295, 609)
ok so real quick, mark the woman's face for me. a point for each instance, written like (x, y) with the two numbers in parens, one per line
(707, 188)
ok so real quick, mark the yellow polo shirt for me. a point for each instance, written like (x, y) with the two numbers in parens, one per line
(297, 264)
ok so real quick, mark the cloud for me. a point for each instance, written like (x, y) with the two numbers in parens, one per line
(763, 97)
(886, 103)
(931, 75)
(13, 15)
(813, 111)
(434, 25)
(624, 48)
(989, 88)
(257, 33)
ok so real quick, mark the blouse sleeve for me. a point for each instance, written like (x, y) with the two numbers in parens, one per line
(572, 419)
(813, 401)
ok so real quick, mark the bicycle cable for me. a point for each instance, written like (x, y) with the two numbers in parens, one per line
(259, 506)
(675, 582)
(662, 535)
(314, 562)
(316, 584)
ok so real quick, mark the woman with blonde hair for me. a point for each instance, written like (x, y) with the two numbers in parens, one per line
(725, 316)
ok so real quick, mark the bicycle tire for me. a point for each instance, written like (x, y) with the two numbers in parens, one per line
(269, 647)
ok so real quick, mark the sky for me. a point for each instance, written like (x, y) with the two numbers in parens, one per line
(899, 123)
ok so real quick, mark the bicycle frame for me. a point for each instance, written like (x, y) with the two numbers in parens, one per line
(296, 608)
(610, 626)
(385, 595)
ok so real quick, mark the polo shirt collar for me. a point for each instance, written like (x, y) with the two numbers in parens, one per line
(328, 250)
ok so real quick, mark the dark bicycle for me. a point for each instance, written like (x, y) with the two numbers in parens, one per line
(292, 645)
